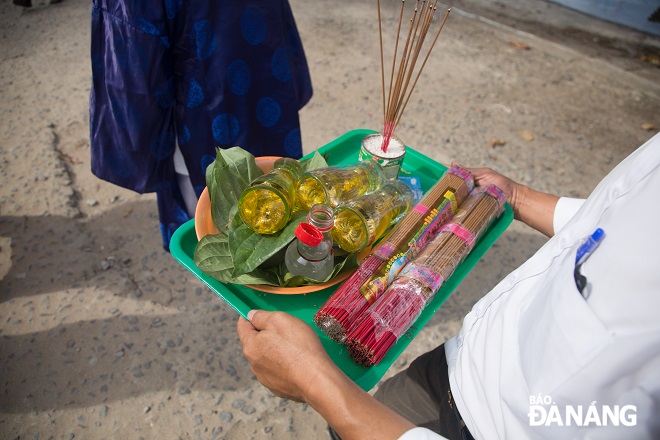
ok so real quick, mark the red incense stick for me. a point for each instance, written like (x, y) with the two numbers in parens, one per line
(398, 308)
(341, 311)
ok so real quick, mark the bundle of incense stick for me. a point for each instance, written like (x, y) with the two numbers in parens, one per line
(398, 308)
(437, 207)
(400, 86)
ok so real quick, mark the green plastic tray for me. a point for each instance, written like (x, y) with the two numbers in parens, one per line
(343, 150)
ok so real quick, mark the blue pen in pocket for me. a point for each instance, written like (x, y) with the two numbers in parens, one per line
(583, 252)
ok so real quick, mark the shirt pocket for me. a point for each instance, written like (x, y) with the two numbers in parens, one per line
(559, 333)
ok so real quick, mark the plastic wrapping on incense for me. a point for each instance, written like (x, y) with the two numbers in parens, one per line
(405, 298)
(369, 281)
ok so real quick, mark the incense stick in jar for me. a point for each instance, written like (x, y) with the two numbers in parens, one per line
(343, 308)
(398, 308)
(403, 77)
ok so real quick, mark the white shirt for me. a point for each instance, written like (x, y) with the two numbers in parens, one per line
(534, 352)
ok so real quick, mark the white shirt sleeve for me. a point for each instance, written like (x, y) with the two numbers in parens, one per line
(421, 434)
(564, 211)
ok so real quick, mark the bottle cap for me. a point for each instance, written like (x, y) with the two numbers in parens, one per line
(308, 234)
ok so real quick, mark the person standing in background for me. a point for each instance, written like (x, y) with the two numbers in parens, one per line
(174, 79)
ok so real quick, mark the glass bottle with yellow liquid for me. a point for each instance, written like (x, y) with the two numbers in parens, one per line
(268, 202)
(360, 222)
(334, 185)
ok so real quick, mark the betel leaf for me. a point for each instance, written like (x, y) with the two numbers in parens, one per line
(230, 173)
(240, 256)
(250, 249)
(213, 258)
(314, 162)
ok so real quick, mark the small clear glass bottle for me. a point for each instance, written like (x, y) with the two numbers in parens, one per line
(310, 255)
(361, 221)
(267, 204)
(334, 185)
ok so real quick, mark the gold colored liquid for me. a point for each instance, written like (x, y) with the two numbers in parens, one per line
(310, 193)
(266, 204)
(332, 186)
(361, 221)
(350, 231)
(354, 231)
(264, 210)
(383, 224)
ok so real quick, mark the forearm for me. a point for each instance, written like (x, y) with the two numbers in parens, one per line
(536, 209)
(352, 412)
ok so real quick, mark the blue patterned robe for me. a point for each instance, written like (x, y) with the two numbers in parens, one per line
(206, 73)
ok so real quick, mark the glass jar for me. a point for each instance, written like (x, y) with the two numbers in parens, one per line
(334, 185)
(360, 222)
(267, 204)
(391, 160)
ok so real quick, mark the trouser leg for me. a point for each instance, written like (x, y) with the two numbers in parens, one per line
(421, 394)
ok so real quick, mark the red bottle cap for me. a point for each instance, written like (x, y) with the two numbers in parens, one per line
(308, 234)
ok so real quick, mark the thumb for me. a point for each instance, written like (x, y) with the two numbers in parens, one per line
(258, 318)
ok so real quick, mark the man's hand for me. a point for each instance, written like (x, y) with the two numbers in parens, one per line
(288, 358)
(534, 208)
(487, 176)
(284, 353)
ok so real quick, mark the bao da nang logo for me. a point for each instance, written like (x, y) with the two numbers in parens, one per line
(544, 412)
